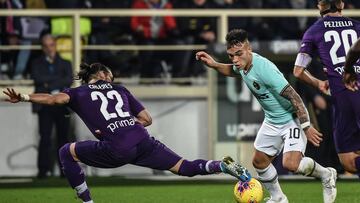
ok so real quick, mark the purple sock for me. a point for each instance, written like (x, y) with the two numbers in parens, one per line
(199, 167)
(85, 196)
(74, 173)
(357, 165)
(213, 166)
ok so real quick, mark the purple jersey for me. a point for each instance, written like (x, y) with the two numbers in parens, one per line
(110, 109)
(331, 38)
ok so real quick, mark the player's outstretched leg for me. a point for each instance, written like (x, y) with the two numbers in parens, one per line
(328, 177)
(229, 166)
(205, 167)
(74, 174)
(269, 178)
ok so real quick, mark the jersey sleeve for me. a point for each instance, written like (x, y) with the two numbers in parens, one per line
(71, 93)
(307, 45)
(274, 79)
(135, 106)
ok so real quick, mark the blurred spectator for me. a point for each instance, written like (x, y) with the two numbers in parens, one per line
(235, 22)
(10, 34)
(153, 30)
(196, 30)
(201, 29)
(261, 28)
(113, 30)
(35, 4)
(51, 74)
(31, 29)
(58, 4)
(352, 4)
(293, 27)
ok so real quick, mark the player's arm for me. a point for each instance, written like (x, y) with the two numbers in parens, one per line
(298, 104)
(350, 77)
(144, 118)
(39, 98)
(312, 134)
(225, 69)
(300, 72)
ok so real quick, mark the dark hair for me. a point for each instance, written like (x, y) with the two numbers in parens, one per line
(333, 6)
(44, 33)
(88, 71)
(236, 36)
(330, 1)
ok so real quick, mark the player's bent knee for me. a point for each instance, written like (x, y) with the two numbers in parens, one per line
(186, 169)
(349, 165)
(64, 153)
(348, 162)
(291, 166)
(260, 163)
(261, 160)
(257, 164)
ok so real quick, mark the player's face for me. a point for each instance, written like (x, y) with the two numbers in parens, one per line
(49, 46)
(109, 76)
(240, 55)
(104, 75)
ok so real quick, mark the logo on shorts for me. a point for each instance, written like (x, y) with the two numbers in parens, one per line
(256, 85)
(292, 144)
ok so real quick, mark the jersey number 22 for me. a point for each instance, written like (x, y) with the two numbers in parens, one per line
(113, 94)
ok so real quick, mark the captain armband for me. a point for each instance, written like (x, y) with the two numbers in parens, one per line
(24, 97)
(303, 60)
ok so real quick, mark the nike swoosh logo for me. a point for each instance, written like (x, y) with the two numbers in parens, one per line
(292, 144)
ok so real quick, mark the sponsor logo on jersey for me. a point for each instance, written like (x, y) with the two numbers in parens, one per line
(340, 69)
(256, 85)
(121, 124)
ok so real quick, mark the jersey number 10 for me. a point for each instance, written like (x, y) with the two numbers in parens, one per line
(113, 94)
(333, 35)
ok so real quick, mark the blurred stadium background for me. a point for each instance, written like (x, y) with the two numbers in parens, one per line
(196, 112)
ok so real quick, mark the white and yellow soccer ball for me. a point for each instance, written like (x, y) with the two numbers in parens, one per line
(248, 192)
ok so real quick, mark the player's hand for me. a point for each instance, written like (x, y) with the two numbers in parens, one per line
(324, 87)
(350, 81)
(320, 102)
(13, 96)
(205, 58)
(313, 136)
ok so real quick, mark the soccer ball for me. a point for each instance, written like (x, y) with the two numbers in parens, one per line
(248, 192)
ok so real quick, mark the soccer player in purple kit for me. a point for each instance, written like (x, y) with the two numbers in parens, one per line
(117, 119)
(331, 38)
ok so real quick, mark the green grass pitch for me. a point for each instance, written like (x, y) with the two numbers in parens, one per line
(117, 189)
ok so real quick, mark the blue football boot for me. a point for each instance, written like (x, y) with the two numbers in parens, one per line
(229, 166)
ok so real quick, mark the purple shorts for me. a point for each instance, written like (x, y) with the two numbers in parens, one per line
(149, 153)
(346, 121)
